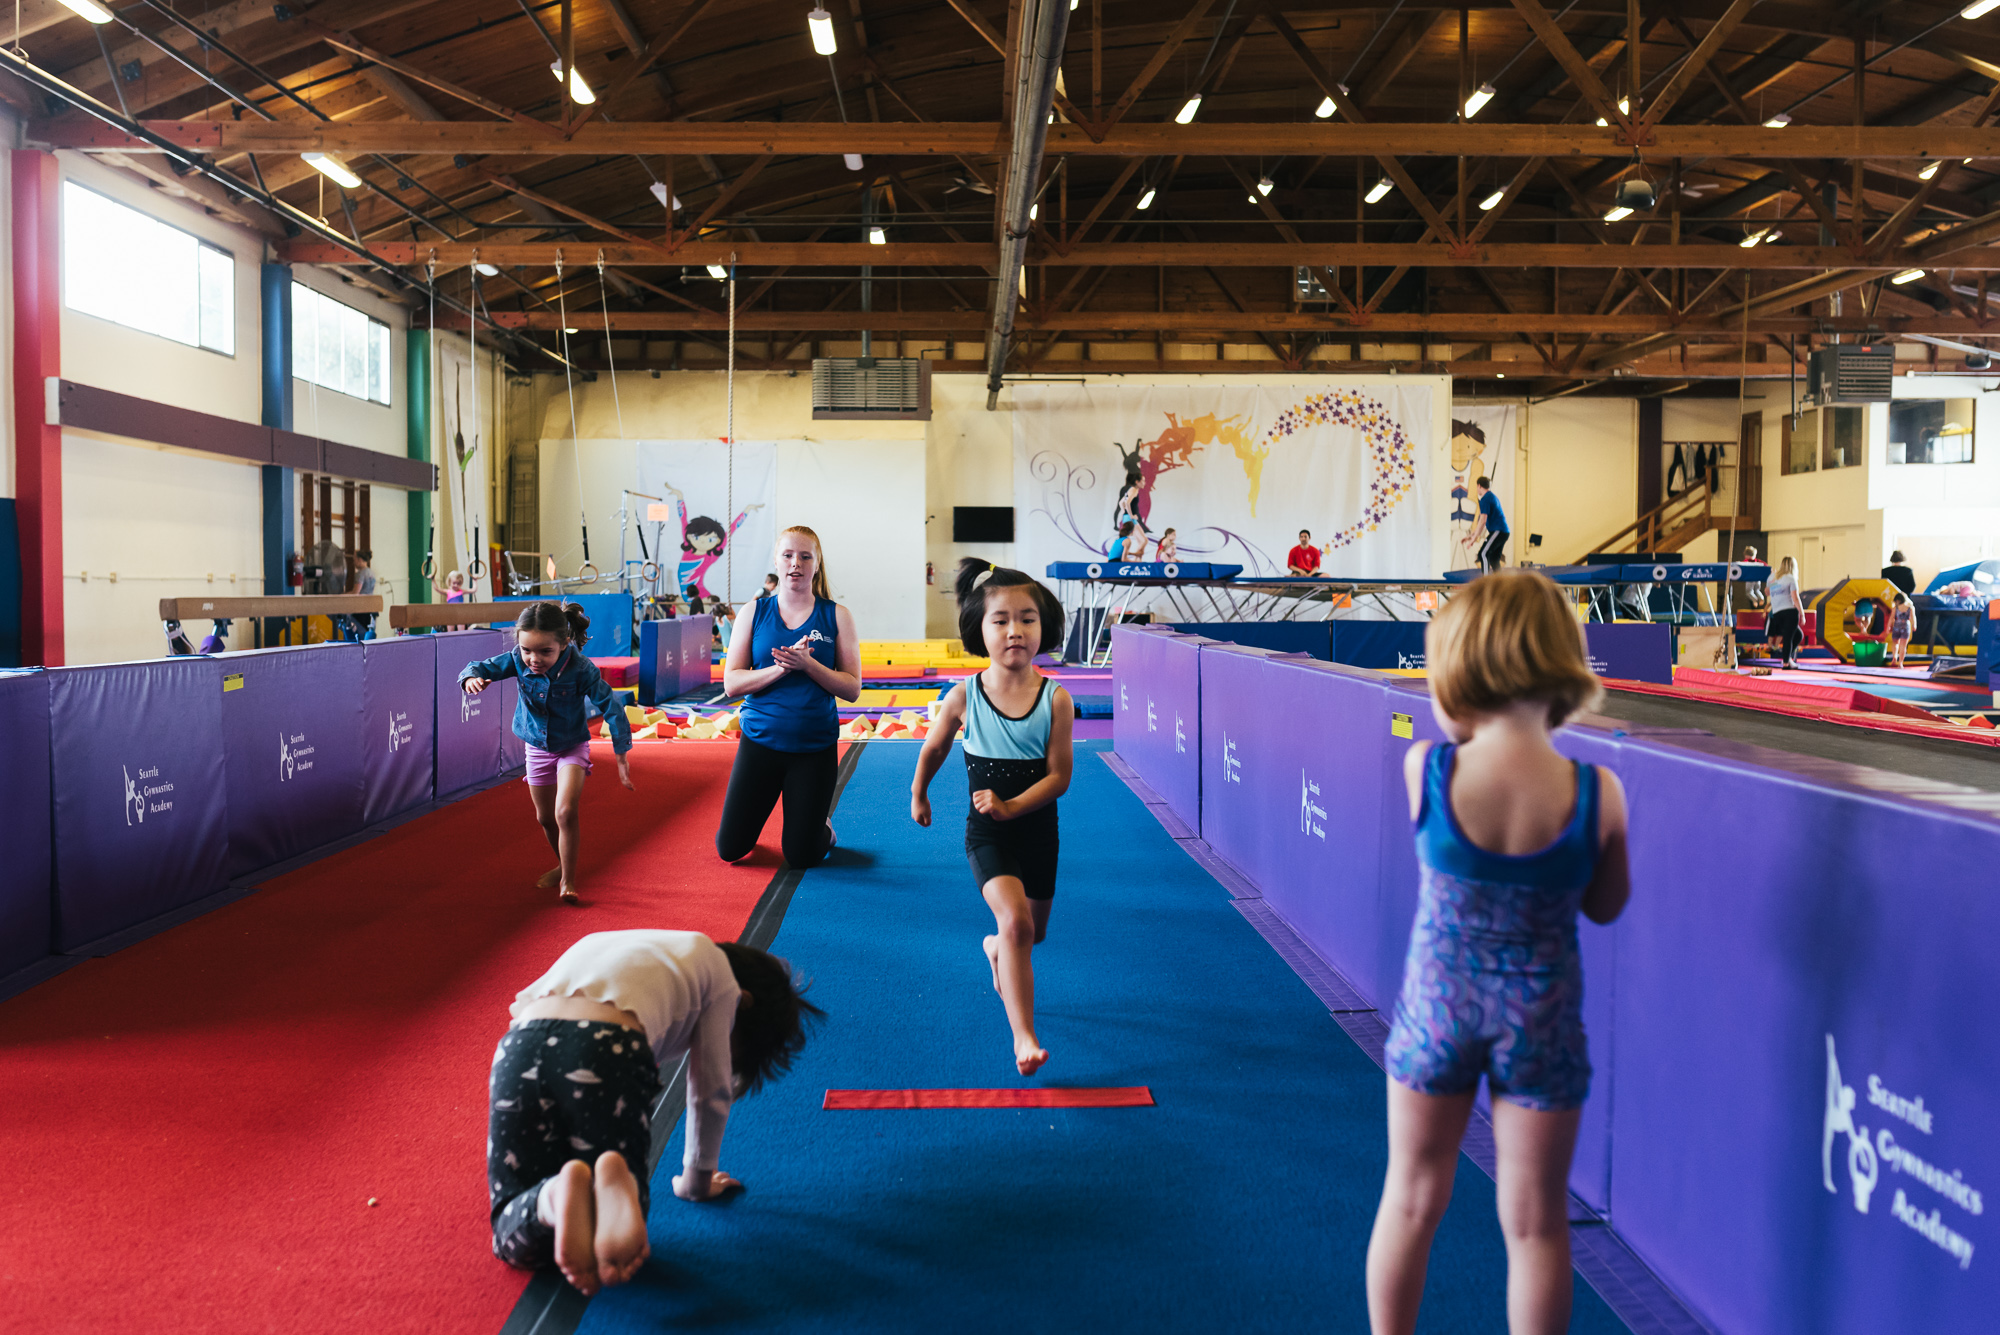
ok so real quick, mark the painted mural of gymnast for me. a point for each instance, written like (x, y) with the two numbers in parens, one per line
(703, 542)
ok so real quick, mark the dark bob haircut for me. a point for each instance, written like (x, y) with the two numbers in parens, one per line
(771, 1024)
(977, 578)
(565, 619)
(701, 526)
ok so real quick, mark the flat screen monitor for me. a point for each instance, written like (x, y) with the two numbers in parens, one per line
(982, 523)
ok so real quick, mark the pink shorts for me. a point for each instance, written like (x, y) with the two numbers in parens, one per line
(542, 765)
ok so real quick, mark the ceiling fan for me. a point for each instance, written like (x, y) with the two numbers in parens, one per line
(978, 187)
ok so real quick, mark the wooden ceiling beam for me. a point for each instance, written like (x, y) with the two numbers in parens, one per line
(890, 139)
(1968, 246)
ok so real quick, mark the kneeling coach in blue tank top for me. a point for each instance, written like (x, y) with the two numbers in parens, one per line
(791, 654)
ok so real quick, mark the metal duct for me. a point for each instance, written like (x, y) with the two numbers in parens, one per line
(1044, 28)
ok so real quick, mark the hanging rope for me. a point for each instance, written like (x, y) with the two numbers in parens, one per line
(475, 565)
(429, 569)
(649, 569)
(575, 445)
(729, 432)
(1742, 470)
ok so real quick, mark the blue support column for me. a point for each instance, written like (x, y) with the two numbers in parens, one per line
(280, 521)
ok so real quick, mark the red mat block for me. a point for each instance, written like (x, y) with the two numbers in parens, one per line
(877, 1100)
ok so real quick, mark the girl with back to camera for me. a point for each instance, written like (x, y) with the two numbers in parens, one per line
(556, 679)
(569, 1112)
(1513, 840)
(795, 654)
(1782, 622)
(1017, 762)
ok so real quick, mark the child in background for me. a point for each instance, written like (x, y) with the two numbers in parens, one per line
(555, 680)
(1169, 549)
(575, 1079)
(1119, 543)
(1513, 840)
(1017, 762)
(453, 588)
(1902, 625)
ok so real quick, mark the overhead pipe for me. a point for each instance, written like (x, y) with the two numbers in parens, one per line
(867, 272)
(1044, 28)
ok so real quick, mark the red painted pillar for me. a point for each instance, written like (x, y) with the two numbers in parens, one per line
(37, 192)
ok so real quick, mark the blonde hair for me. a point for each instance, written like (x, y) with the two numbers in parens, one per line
(819, 559)
(1509, 636)
(1786, 565)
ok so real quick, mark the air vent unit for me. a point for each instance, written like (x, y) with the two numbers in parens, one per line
(1851, 373)
(887, 387)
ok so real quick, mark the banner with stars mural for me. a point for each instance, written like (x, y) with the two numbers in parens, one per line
(1233, 473)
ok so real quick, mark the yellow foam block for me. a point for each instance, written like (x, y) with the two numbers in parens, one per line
(635, 715)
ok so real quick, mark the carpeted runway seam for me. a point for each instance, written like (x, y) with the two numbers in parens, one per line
(1241, 1202)
(195, 1125)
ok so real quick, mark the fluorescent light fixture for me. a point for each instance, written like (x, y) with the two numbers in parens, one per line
(1751, 240)
(1910, 275)
(877, 237)
(1503, 375)
(1251, 199)
(579, 91)
(1265, 185)
(1978, 9)
(1186, 114)
(1146, 199)
(1380, 189)
(717, 271)
(853, 161)
(1325, 108)
(333, 169)
(1603, 122)
(659, 192)
(1931, 168)
(1492, 201)
(485, 270)
(572, 331)
(1779, 121)
(1034, 212)
(821, 24)
(1618, 214)
(84, 9)
(1477, 102)
(1624, 109)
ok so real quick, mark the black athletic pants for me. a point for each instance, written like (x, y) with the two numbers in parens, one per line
(805, 779)
(1784, 628)
(562, 1090)
(1491, 550)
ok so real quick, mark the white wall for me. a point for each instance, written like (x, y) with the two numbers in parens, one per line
(1579, 469)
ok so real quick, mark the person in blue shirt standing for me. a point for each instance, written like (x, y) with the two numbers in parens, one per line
(798, 654)
(1489, 534)
(549, 717)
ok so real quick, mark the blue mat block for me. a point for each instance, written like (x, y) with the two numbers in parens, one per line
(141, 802)
(1241, 1203)
(26, 907)
(610, 620)
(1379, 644)
(1282, 637)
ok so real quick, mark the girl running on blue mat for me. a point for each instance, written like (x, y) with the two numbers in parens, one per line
(1513, 840)
(1017, 762)
(570, 1109)
(555, 680)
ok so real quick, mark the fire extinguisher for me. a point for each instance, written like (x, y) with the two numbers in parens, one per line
(930, 572)
(295, 571)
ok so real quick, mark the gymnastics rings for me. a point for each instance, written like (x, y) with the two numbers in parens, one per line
(429, 568)
(475, 568)
(649, 571)
(593, 578)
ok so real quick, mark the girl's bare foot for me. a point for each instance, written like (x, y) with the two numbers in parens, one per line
(621, 1243)
(566, 1203)
(550, 879)
(992, 944)
(1029, 1055)
(568, 895)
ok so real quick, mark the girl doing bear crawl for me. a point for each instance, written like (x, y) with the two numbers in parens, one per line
(1017, 762)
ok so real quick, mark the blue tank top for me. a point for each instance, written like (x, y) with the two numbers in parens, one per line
(1468, 892)
(793, 713)
(1006, 754)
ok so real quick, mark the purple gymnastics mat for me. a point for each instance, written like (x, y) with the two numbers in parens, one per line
(292, 744)
(1789, 1025)
(25, 891)
(468, 726)
(1156, 713)
(398, 724)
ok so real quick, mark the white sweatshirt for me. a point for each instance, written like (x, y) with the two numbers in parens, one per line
(680, 986)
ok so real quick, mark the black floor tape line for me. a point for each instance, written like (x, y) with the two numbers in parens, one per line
(550, 1305)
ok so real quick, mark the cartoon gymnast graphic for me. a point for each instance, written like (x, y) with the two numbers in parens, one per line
(1468, 442)
(703, 542)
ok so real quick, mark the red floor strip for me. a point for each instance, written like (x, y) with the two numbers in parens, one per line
(867, 1100)
(273, 1118)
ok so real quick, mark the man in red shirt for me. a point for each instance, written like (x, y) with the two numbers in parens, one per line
(1304, 558)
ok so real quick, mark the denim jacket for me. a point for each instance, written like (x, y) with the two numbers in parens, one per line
(549, 712)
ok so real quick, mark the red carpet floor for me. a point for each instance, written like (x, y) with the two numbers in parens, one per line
(192, 1128)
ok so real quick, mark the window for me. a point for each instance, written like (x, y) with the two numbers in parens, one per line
(1931, 431)
(1801, 441)
(337, 347)
(121, 265)
(1841, 432)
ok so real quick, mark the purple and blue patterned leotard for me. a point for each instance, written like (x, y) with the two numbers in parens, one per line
(1493, 982)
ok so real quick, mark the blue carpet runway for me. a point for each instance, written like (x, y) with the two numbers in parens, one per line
(1242, 1202)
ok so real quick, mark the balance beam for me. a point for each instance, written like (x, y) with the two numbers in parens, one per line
(406, 616)
(223, 609)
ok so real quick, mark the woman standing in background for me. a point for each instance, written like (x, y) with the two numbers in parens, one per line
(1783, 591)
